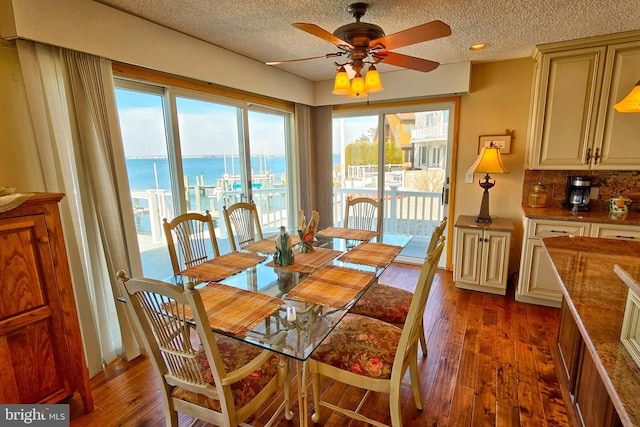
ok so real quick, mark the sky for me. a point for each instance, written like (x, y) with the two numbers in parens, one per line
(205, 128)
(210, 129)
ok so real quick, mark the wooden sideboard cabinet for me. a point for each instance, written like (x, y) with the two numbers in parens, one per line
(482, 254)
(41, 355)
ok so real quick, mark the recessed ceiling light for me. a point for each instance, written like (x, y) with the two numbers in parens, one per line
(479, 46)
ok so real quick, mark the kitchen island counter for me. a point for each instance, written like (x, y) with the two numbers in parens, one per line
(596, 297)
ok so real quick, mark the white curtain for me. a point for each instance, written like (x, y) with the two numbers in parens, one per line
(72, 106)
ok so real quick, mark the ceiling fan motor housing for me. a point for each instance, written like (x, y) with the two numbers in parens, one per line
(359, 34)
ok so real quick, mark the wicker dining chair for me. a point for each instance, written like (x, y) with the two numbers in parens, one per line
(208, 376)
(243, 224)
(364, 213)
(371, 354)
(391, 304)
(191, 240)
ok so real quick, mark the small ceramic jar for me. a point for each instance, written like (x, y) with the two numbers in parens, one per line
(619, 205)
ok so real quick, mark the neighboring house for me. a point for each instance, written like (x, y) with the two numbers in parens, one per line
(429, 139)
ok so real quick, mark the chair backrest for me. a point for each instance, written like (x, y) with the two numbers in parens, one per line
(363, 213)
(437, 232)
(412, 327)
(165, 316)
(191, 240)
(242, 224)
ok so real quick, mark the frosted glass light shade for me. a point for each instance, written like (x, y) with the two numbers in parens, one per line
(372, 80)
(341, 85)
(357, 87)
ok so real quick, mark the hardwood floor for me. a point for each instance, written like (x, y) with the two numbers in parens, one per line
(489, 363)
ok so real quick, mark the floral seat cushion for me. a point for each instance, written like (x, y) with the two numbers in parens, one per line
(385, 303)
(362, 345)
(234, 354)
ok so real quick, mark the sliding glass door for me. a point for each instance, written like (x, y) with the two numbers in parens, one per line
(192, 152)
(408, 167)
(355, 162)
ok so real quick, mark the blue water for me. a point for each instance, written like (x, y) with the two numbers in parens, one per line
(143, 177)
(153, 174)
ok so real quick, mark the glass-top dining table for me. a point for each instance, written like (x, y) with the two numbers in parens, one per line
(291, 310)
(308, 298)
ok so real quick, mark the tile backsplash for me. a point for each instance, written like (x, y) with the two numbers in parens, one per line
(608, 184)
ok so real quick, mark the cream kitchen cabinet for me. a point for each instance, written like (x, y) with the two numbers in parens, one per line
(615, 231)
(482, 254)
(573, 124)
(537, 281)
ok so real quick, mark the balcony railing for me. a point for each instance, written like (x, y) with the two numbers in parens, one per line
(405, 211)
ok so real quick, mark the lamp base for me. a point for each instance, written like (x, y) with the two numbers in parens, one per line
(484, 219)
(484, 216)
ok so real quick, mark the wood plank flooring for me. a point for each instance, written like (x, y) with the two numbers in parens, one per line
(489, 364)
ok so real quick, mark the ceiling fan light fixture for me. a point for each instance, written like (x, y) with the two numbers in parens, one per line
(372, 82)
(366, 43)
(341, 85)
(631, 102)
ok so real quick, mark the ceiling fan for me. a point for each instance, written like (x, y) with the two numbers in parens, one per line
(364, 43)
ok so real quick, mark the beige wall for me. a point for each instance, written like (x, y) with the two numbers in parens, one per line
(498, 100)
(19, 160)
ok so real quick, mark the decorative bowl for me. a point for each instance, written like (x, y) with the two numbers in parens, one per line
(5, 191)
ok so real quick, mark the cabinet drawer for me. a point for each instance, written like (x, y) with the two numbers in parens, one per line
(613, 231)
(557, 228)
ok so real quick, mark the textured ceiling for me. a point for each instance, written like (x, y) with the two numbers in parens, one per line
(262, 30)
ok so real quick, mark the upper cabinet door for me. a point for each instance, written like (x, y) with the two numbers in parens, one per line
(618, 134)
(566, 96)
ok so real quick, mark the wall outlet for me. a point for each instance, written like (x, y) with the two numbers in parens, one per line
(468, 178)
(594, 193)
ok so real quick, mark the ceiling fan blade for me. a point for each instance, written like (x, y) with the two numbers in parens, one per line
(286, 61)
(421, 33)
(406, 61)
(317, 31)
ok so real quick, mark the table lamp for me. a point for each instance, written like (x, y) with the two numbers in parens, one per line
(489, 161)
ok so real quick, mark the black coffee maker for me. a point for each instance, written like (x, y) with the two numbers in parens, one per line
(577, 196)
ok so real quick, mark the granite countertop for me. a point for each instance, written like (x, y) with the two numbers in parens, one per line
(597, 296)
(594, 215)
(631, 279)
